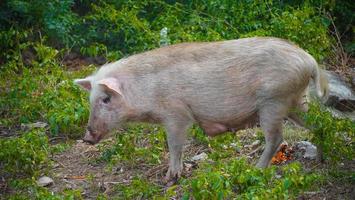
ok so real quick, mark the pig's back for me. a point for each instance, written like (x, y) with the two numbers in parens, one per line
(223, 81)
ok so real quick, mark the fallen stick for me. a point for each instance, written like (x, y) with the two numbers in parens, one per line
(255, 151)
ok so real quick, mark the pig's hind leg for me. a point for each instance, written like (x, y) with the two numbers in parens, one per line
(271, 117)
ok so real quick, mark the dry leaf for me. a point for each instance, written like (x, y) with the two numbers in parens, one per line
(283, 155)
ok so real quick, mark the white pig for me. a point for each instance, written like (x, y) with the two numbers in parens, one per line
(217, 85)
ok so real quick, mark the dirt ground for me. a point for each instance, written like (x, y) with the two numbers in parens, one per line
(76, 169)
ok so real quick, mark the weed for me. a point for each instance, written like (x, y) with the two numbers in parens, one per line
(238, 179)
(139, 188)
(139, 143)
(28, 189)
(24, 155)
(333, 137)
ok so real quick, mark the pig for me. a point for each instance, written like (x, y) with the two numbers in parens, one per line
(217, 85)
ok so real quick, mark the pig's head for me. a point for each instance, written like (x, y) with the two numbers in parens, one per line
(107, 107)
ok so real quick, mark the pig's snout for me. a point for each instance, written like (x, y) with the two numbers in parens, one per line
(90, 137)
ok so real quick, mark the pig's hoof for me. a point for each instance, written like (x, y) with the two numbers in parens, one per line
(170, 182)
(172, 178)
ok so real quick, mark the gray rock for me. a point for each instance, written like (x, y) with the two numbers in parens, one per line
(310, 150)
(45, 181)
(341, 96)
(339, 114)
(202, 156)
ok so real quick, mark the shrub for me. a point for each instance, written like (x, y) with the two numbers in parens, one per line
(138, 144)
(28, 189)
(54, 18)
(138, 189)
(332, 136)
(24, 155)
(304, 27)
(237, 179)
(43, 91)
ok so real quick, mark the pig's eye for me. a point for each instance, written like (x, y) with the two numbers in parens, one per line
(106, 99)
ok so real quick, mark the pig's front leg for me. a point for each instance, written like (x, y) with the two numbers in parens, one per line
(176, 136)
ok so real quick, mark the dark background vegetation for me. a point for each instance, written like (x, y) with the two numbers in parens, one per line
(45, 44)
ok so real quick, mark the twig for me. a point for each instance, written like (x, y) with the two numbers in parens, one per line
(154, 171)
(344, 58)
(255, 150)
(60, 163)
(56, 138)
(312, 193)
(116, 182)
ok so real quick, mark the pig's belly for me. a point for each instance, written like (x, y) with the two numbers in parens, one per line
(215, 128)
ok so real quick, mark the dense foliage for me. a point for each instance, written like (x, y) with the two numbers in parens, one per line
(36, 36)
(125, 27)
(334, 137)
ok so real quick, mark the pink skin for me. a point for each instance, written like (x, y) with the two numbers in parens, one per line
(106, 107)
(92, 137)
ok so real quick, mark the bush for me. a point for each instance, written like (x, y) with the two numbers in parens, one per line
(138, 189)
(138, 144)
(54, 18)
(332, 136)
(237, 179)
(43, 91)
(127, 27)
(134, 26)
(28, 189)
(304, 27)
(25, 155)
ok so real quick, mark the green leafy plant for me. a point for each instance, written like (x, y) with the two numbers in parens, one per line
(24, 155)
(304, 27)
(44, 92)
(54, 17)
(333, 137)
(139, 143)
(28, 189)
(238, 179)
(139, 188)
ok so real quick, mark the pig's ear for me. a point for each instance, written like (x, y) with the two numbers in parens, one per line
(111, 84)
(84, 83)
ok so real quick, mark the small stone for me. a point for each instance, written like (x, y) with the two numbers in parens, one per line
(278, 176)
(45, 181)
(202, 156)
(310, 149)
